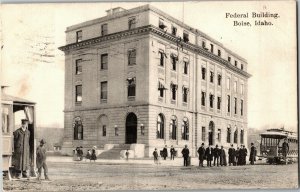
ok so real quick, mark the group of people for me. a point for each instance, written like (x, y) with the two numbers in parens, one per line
(218, 155)
(164, 152)
(90, 155)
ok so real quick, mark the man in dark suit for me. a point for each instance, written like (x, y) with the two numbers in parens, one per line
(209, 155)
(165, 152)
(231, 154)
(252, 154)
(216, 154)
(172, 152)
(201, 152)
(185, 153)
(285, 150)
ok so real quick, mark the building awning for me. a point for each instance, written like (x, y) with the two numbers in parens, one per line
(16, 100)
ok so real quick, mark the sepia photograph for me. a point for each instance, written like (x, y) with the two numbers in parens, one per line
(190, 95)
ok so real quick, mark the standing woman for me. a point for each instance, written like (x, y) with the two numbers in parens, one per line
(93, 156)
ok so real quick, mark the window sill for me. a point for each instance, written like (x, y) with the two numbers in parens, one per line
(173, 102)
(160, 99)
(103, 101)
(218, 110)
(184, 104)
(131, 98)
(134, 64)
(103, 69)
(203, 107)
(78, 103)
(211, 109)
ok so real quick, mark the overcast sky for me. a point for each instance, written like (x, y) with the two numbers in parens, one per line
(33, 67)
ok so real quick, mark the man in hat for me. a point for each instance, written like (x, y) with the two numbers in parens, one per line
(231, 154)
(252, 154)
(20, 159)
(185, 153)
(155, 155)
(201, 152)
(41, 160)
(209, 155)
(217, 153)
(172, 152)
(285, 150)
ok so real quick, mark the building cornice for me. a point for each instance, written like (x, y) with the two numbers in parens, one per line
(150, 29)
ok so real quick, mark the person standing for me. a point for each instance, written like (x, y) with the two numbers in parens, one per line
(209, 155)
(93, 155)
(185, 153)
(165, 152)
(41, 160)
(201, 152)
(20, 158)
(216, 154)
(127, 154)
(245, 154)
(252, 157)
(231, 154)
(222, 157)
(172, 152)
(285, 150)
(155, 156)
(237, 154)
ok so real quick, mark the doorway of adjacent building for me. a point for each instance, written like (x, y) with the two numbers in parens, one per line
(131, 128)
(211, 131)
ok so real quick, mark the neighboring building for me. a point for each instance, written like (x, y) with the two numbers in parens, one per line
(142, 76)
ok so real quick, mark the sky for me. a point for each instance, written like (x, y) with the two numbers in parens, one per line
(33, 67)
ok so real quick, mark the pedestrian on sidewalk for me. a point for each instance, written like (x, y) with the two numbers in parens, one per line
(127, 154)
(209, 155)
(201, 152)
(216, 155)
(185, 153)
(93, 156)
(88, 155)
(41, 160)
(252, 157)
(172, 152)
(165, 152)
(231, 154)
(155, 156)
(223, 161)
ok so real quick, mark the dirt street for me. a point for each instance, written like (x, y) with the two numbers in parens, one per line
(80, 176)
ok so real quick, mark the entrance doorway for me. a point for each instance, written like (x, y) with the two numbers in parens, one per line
(131, 128)
(211, 132)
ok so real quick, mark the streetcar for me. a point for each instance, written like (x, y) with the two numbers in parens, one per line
(271, 146)
(14, 109)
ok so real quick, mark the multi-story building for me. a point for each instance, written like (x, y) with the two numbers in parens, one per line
(142, 76)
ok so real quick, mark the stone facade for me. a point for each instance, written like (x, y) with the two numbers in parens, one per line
(171, 94)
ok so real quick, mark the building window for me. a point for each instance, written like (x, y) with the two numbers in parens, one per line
(211, 77)
(104, 130)
(174, 60)
(173, 128)
(185, 67)
(242, 67)
(235, 105)
(185, 37)
(242, 136)
(242, 89)
(219, 52)
(219, 135)
(203, 95)
(203, 71)
(131, 23)
(185, 129)
(132, 57)
(161, 89)
(242, 107)
(229, 59)
(162, 56)
(211, 100)
(78, 93)
(78, 36)
(228, 103)
(228, 134)
(161, 24)
(212, 48)
(131, 87)
(219, 103)
(160, 127)
(185, 94)
(104, 61)
(235, 86)
(103, 95)
(203, 133)
(104, 29)
(78, 63)
(235, 63)
(203, 44)
(235, 136)
(173, 90)
(174, 30)
(78, 129)
(228, 83)
(219, 79)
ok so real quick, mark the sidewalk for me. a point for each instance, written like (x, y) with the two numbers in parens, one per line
(145, 161)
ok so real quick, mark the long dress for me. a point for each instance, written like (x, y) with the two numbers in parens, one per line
(20, 158)
(93, 156)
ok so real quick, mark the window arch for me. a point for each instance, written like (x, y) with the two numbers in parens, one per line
(235, 135)
(228, 133)
(78, 129)
(242, 136)
(185, 129)
(173, 128)
(160, 126)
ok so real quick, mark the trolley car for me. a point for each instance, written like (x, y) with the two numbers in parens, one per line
(271, 146)
(13, 108)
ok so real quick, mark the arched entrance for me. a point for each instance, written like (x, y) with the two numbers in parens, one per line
(131, 128)
(211, 132)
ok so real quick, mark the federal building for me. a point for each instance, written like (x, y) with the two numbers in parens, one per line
(141, 76)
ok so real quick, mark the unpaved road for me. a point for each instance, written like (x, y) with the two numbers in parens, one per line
(77, 176)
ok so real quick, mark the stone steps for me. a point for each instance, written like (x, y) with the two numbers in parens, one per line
(113, 153)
